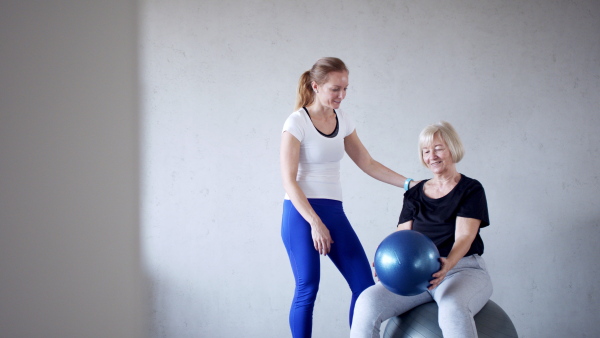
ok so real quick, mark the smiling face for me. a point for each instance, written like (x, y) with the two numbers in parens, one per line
(331, 93)
(437, 156)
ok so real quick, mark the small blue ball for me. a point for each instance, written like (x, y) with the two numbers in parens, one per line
(405, 261)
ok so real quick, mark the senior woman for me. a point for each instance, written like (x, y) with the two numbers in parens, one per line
(450, 209)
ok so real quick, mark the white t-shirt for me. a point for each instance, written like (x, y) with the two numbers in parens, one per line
(320, 156)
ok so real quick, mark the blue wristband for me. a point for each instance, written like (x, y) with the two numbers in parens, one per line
(407, 183)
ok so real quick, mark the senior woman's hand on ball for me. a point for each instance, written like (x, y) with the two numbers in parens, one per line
(440, 275)
(374, 270)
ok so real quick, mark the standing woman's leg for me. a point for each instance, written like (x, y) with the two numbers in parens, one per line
(304, 259)
(348, 254)
(462, 294)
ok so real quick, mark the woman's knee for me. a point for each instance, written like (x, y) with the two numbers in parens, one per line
(367, 319)
(367, 304)
(308, 289)
(366, 299)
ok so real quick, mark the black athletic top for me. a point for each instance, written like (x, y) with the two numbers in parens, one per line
(436, 218)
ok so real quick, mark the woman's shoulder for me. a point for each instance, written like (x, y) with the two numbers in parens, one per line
(346, 122)
(298, 117)
(342, 114)
(300, 113)
(469, 180)
(416, 190)
(470, 184)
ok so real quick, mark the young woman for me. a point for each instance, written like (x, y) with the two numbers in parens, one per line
(313, 142)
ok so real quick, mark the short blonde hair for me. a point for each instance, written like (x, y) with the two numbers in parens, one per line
(448, 134)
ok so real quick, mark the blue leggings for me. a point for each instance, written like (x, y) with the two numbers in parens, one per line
(346, 253)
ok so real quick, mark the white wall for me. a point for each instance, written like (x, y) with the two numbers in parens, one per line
(69, 170)
(520, 80)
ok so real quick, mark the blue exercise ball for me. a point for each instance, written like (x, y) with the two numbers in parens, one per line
(405, 261)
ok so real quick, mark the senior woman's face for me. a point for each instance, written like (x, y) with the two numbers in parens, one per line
(437, 156)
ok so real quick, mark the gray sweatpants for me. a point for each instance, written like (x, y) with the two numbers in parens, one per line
(464, 291)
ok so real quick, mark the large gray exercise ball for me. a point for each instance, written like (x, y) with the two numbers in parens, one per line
(422, 321)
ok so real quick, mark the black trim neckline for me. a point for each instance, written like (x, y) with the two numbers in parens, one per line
(337, 125)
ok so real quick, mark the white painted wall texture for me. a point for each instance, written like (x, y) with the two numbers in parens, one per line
(520, 80)
(69, 170)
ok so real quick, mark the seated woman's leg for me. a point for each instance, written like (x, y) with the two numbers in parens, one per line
(464, 292)
(376, 304)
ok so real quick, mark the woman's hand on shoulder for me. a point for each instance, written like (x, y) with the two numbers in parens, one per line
(412, 184)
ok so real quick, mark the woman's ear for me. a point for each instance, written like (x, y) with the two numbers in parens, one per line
(314, 86)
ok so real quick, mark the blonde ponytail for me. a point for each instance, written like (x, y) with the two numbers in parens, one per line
(305, 94)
